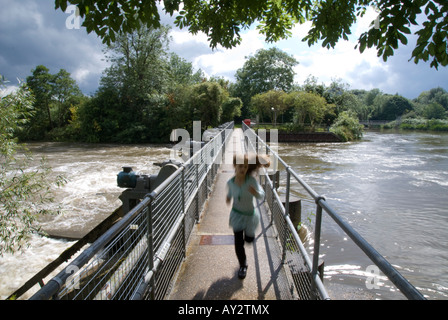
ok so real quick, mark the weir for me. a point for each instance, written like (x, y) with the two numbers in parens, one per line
(174, 242)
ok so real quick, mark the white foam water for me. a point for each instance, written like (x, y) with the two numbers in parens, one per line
(89, 196)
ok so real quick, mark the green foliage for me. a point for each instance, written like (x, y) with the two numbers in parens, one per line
(143, 96)
(98, 118)
(41, 85)
(267, 70)
(394, 107)
(55, 95)
(347, 127)
(24, 194)
(181, 72)
(419, 123)
(309, 107)
(206, 101)
(435, 95)
(434, 111)
(269, 104)
(231, 108)
(222, 21)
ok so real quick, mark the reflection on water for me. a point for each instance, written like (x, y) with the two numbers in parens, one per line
(392, 188)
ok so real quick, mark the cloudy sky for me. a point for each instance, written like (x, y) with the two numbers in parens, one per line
(33, 33)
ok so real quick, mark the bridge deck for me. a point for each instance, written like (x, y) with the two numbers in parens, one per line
(210, 268)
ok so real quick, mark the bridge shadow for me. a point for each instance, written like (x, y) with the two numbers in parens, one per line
(268, 269)
(273, 262)
(221, 289)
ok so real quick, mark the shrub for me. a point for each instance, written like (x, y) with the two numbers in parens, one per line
(420, 124)
(347, 127)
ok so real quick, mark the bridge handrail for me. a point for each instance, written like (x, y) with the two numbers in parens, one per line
(396, 278)
(152, 245)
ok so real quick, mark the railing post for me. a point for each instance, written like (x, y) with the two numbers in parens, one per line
(184, 210)
(288, 184)
(150, 247)
(196, 170)
(317, 230)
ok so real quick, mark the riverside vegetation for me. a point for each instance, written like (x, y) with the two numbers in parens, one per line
(138, 102)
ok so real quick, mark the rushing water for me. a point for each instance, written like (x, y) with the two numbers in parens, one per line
(391, 187)
(89, 196)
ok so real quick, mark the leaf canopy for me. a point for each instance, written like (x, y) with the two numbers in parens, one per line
(223, 20)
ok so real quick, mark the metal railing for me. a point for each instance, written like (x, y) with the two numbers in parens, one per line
(138, 257)
(291, 242)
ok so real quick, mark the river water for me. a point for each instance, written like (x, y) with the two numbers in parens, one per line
(391, 187)
(89, 196)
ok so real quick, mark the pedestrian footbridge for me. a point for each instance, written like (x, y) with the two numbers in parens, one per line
(175, 243)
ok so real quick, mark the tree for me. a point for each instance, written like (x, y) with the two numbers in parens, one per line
(371, 95)
(139, 65)
(24, 194)
(223, 20)
(54, 95)
(311, 85)
(394, 107)
(41, 84)
(64, 93)
(434, 111)
(435, 95)
(270, 104)
(300, 111)
(126, 106)
(267, 70)
(231, 108)
(98, 119)
(308, 105)
(181, 71)
(206, 103)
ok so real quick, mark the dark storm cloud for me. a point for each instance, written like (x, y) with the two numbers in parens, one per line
(413, 79)
(34, 33)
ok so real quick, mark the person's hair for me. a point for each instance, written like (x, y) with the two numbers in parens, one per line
(254, 161)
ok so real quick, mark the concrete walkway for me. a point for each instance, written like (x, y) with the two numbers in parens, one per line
(210, 269)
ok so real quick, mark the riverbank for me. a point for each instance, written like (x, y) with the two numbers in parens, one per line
(418, 124)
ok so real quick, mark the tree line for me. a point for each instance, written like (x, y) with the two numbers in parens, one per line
(144, 94)
(148, 91)
(315, 104)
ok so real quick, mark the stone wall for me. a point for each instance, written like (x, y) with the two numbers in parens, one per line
(306, 137)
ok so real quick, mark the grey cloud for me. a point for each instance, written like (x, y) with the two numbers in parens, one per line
(415, 78)
(399, 75)
(190, 50)
(34, 33)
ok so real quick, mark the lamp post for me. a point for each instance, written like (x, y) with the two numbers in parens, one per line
(275, 116)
